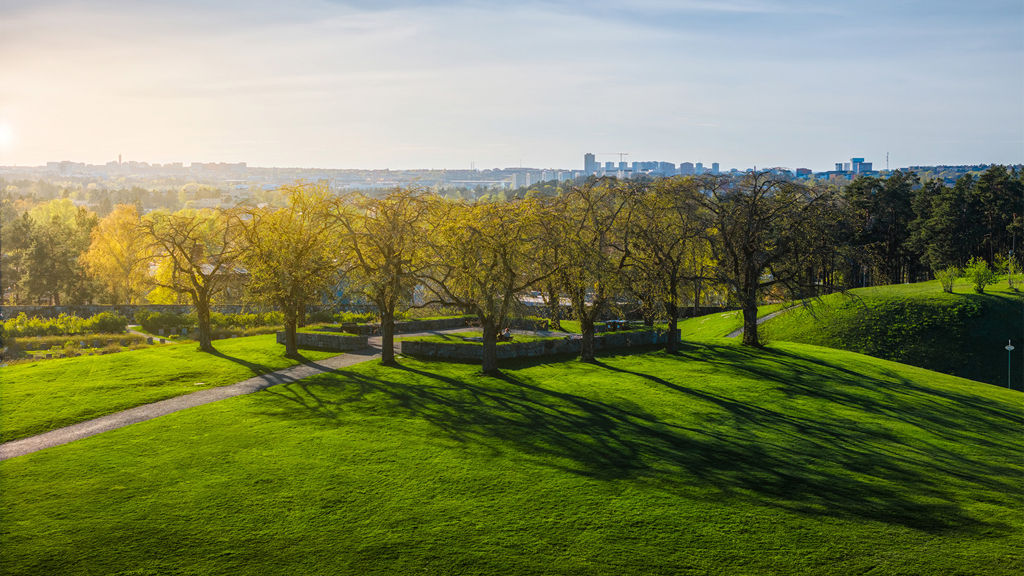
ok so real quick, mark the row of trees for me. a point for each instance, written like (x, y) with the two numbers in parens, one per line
(651, 245)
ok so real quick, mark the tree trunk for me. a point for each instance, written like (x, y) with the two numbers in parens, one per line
(203, 319)
(490, 361)
(749, 305)
(291, 345)
(696, 296)
(672, 344)
(387, 337)
(555, 308)
(587, 328)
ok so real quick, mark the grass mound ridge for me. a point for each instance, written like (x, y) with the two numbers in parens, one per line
(963, 333)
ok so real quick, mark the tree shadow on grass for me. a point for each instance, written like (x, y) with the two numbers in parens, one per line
(793, 454)
(252, 366)
(264, 370)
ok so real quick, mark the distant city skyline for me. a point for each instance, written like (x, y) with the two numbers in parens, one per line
(448, 84)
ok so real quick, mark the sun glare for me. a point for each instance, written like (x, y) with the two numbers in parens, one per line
(5, 136)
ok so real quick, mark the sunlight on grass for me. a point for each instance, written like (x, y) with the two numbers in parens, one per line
(43, 396)
(722, 459)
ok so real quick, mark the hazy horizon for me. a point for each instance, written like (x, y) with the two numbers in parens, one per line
(443, 84)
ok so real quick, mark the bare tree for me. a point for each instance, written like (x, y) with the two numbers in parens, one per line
(765, 232)
(665, 230)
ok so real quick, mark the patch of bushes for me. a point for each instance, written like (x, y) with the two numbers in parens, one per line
(356, 317)
(153, 322)
(64, 325)
(250, 323)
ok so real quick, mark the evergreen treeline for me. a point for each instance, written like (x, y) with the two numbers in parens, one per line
(903, 229)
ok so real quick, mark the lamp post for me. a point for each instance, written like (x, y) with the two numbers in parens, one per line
(1009, 352)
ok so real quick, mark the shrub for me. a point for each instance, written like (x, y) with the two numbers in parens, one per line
(64, 325)
(947, 277)
(153, 322)
(979, 273)
(107, 322)
(356, 317)
(320, 317)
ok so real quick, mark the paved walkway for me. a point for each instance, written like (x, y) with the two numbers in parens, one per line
(156, 409)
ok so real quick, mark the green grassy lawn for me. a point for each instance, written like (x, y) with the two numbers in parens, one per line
(43, 396)
(460, 338)
(720, 460)
(961, 333)
(719, 324)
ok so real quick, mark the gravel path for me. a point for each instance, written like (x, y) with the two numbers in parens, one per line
(761, 320)
(156, 409)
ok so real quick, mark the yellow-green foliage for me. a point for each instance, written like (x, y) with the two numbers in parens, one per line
(63, 325)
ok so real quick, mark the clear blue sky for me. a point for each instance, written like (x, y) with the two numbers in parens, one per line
(440, 84)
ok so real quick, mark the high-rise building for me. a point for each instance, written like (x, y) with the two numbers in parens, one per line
(534, 178)
(609, 166)
(839, 166)
(714, 168)
(686, 168)
(699, 168)
(859, 165)
(623, 165)
(589, 163)
(667, 168)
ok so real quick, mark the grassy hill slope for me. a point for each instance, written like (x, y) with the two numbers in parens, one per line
(918, 324)
(720, 460)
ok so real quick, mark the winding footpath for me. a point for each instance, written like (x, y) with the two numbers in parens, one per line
(145, 412)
